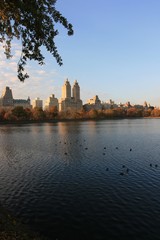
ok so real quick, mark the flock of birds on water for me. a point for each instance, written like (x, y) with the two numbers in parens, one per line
(125, 170)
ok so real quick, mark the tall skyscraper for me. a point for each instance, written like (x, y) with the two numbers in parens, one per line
(7, 97)
(68, 102)
(66, 90)
(76, 91)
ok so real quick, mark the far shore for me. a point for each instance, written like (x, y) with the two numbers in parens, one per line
(72, 120)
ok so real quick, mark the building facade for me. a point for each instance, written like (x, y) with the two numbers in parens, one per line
(51, 102)
(93, 103)
(37, 103)
(68, 102)
(22, 102)
(7, 100)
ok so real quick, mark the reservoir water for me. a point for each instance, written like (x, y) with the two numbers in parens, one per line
(97, 180)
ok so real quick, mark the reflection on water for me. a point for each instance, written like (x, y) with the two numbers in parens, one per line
(83, 180)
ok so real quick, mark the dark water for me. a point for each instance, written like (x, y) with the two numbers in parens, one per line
(84, 180)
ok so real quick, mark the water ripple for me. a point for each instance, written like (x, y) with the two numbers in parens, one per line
(70, 180)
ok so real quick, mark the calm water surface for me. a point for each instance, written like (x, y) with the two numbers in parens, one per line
(84, 180)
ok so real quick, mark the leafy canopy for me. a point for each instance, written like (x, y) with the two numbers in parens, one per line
(32, 22)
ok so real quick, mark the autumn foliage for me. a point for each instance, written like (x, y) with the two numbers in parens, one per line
(19, 114)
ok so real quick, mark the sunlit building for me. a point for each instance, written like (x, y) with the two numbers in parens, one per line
(37, 103)
(68, 102)
(51, 102)
(95, 100)
(110, 105)
(7, 100)
(93, 103)
(22, 102)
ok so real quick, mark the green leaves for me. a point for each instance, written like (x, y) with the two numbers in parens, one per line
(34, 24)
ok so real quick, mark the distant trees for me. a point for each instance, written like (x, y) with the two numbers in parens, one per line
(93, 113)
(147, 113)
(109, 113)
(2, 113)
(38, 114)
(19, 113)
(134, 112)
(8, 116)
(51, 113)
(155, 113)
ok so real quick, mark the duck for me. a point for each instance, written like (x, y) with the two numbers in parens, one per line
(121, 173)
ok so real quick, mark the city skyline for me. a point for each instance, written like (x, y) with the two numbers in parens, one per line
(65, 95)
(114, 54)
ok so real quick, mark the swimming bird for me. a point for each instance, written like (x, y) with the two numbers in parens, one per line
(121, 173)
(130, 149)
(150, 164)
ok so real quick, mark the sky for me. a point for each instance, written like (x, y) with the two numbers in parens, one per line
(114, 53)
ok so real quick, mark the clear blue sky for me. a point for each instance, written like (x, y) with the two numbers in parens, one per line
(114, 53)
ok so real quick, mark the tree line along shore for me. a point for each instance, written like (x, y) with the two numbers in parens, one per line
(38, 114)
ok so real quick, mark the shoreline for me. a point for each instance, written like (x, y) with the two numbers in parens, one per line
(71, 120)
